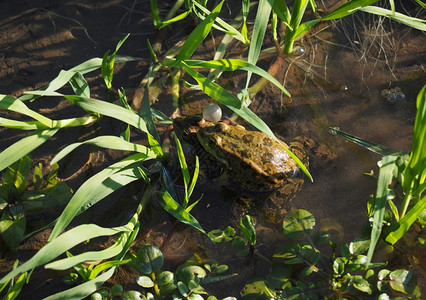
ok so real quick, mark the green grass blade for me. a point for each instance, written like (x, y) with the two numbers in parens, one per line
(385, 179)
(416, 163)
(110, 110)
(223, 96)
(304, 28)
(194, 177)
(88, 66)
(185, 171)
(98, 187)
(145, 111)
(404, 224)
(83, 290)
(106, 141)
(101, 107)
(33, 125)
(422, 4)
(347, 9)
(282, 11)
(177, 211)
(108, 61)
(227, 39)
(16, 105)
(198, 35)
(175, 19)
(63, 243)
(115, 249)
(374, 147)
(233, 65)
(261, 22)
(80, 85)
(14, 290)
(155, 14)
(228, 29)
(22, 125)
(24, 146)
(396, 16)
(106, 265)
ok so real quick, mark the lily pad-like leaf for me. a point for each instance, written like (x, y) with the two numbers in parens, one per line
(187, 273)
(12, 226)
(145, 281)
(403, 281)
(149, 259)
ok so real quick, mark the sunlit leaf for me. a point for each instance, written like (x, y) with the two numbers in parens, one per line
(149, 259)
(385, 178)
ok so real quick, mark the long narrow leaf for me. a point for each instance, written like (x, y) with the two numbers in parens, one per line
(98, 187)
(198, 35)
(396, 16)
(385, 179)
(185, 171)
(24, 146)
(228, 28)
(83, 290)
(65, 242)
(282, 11)
(374, 147)
(233, 65)
(106, 141)
(66, 263)
(13, 104)
(22, 125)
(101, 107)
(347, 9)
(177, 211)
(262, 18)
(405, 223)
(416, 163)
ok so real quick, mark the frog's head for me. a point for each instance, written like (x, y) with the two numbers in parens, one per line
(211, 137)
(215, 140)
(186, 128)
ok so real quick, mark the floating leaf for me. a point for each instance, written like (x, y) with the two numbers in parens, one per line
(149, 259)
(145, 281)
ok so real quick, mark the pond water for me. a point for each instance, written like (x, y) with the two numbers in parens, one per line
(335, 77)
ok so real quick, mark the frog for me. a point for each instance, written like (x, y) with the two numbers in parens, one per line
(253, 160)
(252, 165)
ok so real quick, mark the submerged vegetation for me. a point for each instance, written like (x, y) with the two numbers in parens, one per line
(347, 272)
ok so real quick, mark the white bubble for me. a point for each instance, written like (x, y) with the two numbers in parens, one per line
(399, 96)
(385, 93)
(212, 112)
(392, 97)
(299, 50)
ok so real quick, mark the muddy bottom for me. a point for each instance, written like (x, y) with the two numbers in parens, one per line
(336, 80)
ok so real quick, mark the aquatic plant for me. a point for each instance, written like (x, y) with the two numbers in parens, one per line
(18, 201)
(132, 168)
(409, 172)
(303, 271)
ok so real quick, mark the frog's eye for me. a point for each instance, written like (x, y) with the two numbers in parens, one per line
(185, 133)
(212, 143)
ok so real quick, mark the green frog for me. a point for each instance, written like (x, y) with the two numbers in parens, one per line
(251, 163)
(251, 160)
